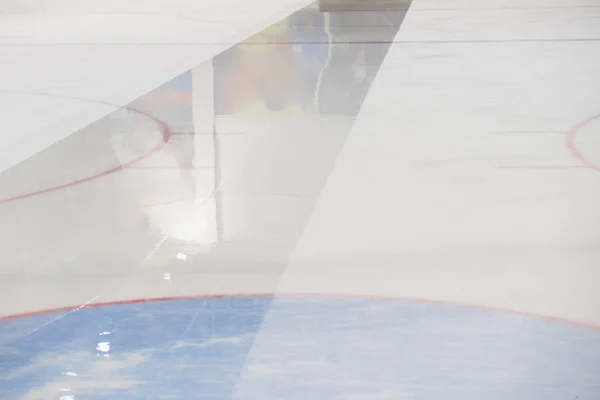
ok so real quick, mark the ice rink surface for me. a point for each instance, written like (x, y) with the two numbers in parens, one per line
(383, 199)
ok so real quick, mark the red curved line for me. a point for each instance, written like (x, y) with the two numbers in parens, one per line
(342, 296)
(166, 136)
(572, 147)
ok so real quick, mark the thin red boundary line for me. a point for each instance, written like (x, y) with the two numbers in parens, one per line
(570, 138)
(166, 133)
(543, 167)
(206, 133)
(530, 133)
(572, 147)
(342, 296)
(163, 167)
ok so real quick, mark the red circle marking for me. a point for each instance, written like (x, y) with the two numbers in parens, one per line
(166, 136)
(572, 147)
(545, 317)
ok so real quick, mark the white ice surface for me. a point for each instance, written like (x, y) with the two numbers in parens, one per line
(111, 53)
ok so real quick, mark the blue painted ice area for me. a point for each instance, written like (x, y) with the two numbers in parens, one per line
(308, 348)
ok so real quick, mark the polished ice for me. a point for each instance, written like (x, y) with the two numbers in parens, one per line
(363, 200)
